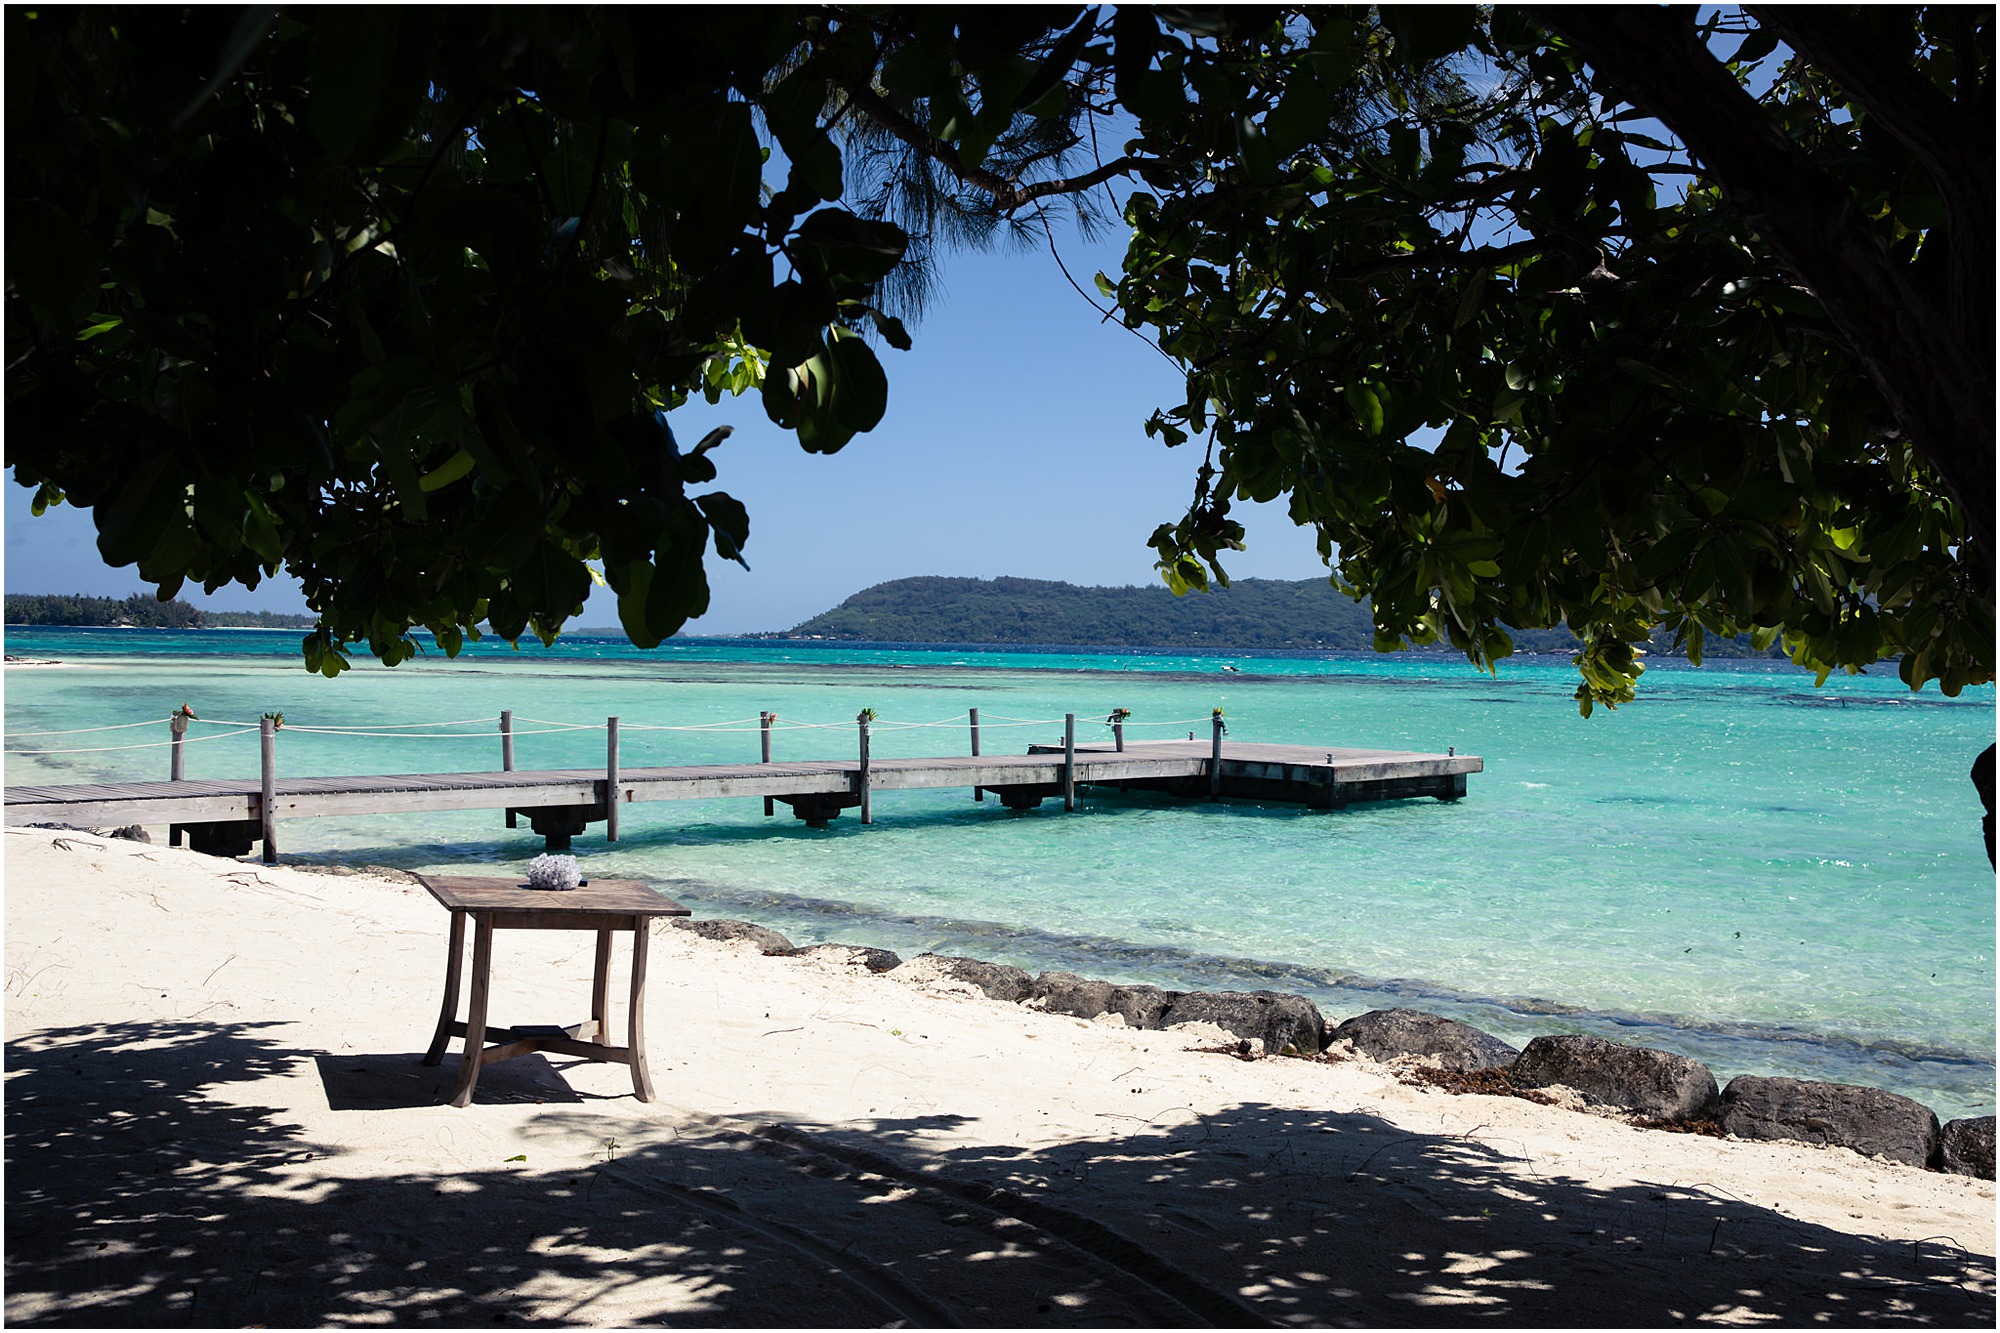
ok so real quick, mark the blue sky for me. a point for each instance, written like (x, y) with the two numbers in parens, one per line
(1013, 444)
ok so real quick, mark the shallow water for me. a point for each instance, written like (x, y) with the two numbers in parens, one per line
(1772, 878)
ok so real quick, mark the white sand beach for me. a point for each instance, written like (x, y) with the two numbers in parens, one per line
(216, 1115)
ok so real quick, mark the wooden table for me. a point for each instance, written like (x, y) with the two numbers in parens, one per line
(605, 906)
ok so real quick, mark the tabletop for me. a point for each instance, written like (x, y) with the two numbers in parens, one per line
(610, 897)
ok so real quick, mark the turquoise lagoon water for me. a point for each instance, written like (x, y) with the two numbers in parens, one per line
(1772, 878)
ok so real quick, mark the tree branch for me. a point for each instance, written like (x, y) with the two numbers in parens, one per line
(1913, 343)
(1007, 195)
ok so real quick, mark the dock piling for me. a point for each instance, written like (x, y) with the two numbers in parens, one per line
(611, 779)
(764, 721)
(267, 736)
(978, 793)
(176, 768)
(507, 753)
(1215, 758)
(1069, 761)
(867, 812)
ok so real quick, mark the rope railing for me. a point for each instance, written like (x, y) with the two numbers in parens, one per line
(79, 731)
(143, 745)
(550, 727)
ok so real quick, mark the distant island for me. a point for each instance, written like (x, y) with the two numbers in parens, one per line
(1248, 615)
(139, 611)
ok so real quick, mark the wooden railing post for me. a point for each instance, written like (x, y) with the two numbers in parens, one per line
(1215, 759)
(507, 753)
(1069, 761)
(1118, 736)
(267, 735)
(611, 779)
(764, 721)
(867, 812)
(978, 793)
(176, 767)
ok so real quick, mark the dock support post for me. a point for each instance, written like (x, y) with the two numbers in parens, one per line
(867, 812)
(176, 768)
(1069, 761)
(267, 735)
(611, 779)
(764, 721)
(1215, 758)
(507, 753)
(978, 793)
(1118, 736)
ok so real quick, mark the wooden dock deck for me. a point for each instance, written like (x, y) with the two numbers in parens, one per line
(225, 813)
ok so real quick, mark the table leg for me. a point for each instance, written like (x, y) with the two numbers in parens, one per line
(600, 990)
(455, 954)
(475, 1016)
(642, 1082)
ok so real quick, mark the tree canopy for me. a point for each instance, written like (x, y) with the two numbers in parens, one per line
(1623, 318)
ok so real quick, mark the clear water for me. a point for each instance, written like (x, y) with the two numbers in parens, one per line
(1771, 878)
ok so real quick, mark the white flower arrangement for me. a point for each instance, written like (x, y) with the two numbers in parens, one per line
(554, 872)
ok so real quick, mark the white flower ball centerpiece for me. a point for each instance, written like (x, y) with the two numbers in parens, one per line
(554, 872)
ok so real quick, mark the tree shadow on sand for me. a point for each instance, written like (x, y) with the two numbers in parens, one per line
(146, 1185)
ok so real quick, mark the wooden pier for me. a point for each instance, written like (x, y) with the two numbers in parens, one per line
(226, 815)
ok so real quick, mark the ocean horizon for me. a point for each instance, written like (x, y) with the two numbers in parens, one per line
(1772, 878)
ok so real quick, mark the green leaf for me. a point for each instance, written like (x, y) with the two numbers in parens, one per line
(1468, 303)
(443, 475)
(729, 521)
(1367, 406)
(370, 65)
(859, 387)
(852, 249)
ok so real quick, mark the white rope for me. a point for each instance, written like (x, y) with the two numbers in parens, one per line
(149, 745)
(562, 726)
(740, 724)
(418, 735)
(78, 731)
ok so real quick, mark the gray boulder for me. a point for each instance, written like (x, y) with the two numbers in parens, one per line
(767, 940)
(1868, 1120)
(1286, 1024)
(1966, 1147)
(1068, 993)
(858, 955)
(998, 980)
(1143, 1006)
(1087, 997)
(1386, 1034)
(1637, 1079)
(132, 833)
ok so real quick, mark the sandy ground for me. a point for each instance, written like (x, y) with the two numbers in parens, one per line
(216, 1115)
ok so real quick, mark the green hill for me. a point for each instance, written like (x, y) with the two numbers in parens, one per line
(139, 611)
(1249, 614)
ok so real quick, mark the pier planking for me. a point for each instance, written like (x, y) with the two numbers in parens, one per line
(563, 801)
